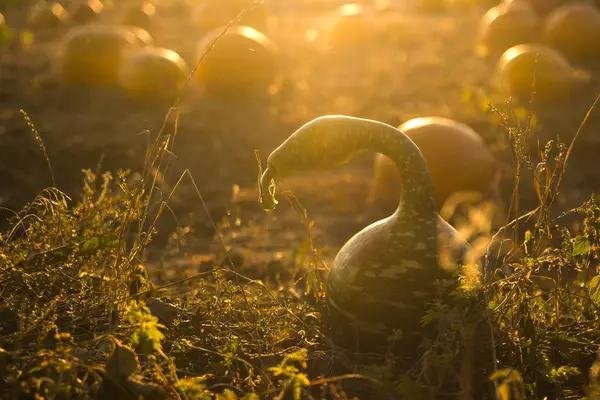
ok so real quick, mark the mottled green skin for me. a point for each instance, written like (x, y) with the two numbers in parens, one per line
(383, 276)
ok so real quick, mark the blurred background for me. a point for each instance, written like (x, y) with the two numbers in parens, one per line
(93, 80)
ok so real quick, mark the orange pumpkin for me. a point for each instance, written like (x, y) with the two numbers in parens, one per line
(243, 60)
(93, 54)
(154, 74)
(457, 157)
(507, 25)
(574, 30)
(524, 65)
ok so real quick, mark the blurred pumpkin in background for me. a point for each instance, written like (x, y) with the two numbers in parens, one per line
(524, 65)
(140, 15)
(85, 11)
(242, 61)
(143, 36)
(507, 25)
(93, 54)
(47, 15)
(218, 13)
(457, 157)
(154, 73)
(541, 7)
(574, 30)
(353, 27)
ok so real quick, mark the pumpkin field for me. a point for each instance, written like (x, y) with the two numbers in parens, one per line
(177, 178)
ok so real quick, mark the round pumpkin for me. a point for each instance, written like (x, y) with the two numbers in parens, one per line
(93, 55)
(140, 15)
(143, 36)
(507, 25)
(574, 30)
(218, 13)
(48, 15)
(554, 76)
(86, 11)
(457, 157)
(353, 27)
(542, 7)
(154, 74)
(243, 60)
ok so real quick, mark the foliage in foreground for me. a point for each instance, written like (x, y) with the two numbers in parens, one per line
(80, 318)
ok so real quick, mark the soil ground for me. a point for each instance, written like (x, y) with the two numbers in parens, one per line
(428, 70)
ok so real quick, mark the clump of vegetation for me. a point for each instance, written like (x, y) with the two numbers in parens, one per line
(81, 318)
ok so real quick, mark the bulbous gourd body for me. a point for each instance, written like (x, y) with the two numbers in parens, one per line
(154, 74)
(574, 30)
(384, 275)
(382, 278)
(457, 157)
(242, 61)
(507, 25)
(527, 66)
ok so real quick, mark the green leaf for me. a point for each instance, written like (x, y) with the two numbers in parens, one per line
(594, 289)
(581, 246)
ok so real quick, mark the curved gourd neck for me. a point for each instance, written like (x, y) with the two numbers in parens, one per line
(416, 197)
(332, 141)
